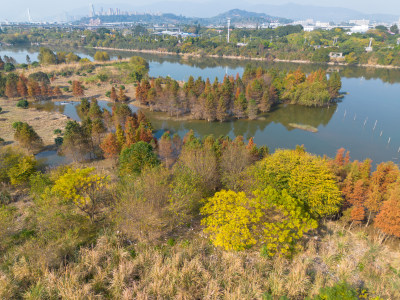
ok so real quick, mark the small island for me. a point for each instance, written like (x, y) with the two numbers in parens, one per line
(304, 127)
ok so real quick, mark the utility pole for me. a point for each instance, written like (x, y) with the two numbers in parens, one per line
(229, 26)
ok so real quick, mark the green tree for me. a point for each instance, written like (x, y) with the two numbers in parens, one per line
(26, 136)
(136, 157)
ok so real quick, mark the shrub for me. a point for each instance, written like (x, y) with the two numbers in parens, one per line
(9, 67)
(23, 103)
(57, 131)
(341, 290)
(1, 109)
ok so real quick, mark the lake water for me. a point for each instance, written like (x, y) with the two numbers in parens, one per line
(366, 121)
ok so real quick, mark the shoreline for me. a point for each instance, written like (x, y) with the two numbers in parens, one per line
(234, 57)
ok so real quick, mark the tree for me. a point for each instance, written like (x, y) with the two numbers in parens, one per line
(252, 109)
(394, 28)
(110, 146)
(19, 174)
(101, 56)
(113, 94)
(57, 92)
(26, 136)
(77, 89)
(382, 179)
(388, 219)
(221, 113)
(240, 106)
(121, 95)
(21, 87)
(165, 149)
(47, 57)
(305, 177)
(83, 189)
(11, 86)
(334, 84)
(135, 158)
(76, 141)
(270, 219)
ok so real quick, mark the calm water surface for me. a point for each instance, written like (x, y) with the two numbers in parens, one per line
(372, 97)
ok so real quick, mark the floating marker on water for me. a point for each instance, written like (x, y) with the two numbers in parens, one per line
(365, 122)
(381, 133)
(389, 141)
(376, 122)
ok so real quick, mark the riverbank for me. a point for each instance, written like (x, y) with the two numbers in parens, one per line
(43, 122)
(160, 52)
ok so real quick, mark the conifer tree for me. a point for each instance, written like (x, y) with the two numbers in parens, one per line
(113, 94)
(110, 146)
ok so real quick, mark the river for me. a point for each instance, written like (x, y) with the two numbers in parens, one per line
(366, 121)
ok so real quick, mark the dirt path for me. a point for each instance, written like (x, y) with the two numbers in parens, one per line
(43, 122)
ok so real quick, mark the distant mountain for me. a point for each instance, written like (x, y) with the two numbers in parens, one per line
(237, 16)
(319, 13)
(211, 10)
(289, 10)
(243, 16)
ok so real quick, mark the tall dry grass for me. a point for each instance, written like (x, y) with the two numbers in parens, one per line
(196, 270)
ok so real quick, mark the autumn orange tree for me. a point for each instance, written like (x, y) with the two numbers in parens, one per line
(388, 219)
(77, 89)
(110, 146)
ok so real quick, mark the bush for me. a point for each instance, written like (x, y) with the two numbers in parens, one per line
(340, 290)
(1, 109)
(58, 141)
(40, 77)
(9, 67)
(23, 103)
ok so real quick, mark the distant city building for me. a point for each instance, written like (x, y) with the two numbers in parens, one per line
(309, 28)
(95, 22)
(360, 22)
(359, 29)
(336, 55)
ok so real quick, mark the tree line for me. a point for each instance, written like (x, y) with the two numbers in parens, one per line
(241, 97)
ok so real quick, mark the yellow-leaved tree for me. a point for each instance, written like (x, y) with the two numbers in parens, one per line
(269, 218)
(304, 176)
(82, 188)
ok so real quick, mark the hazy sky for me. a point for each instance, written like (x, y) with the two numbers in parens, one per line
(17, 9)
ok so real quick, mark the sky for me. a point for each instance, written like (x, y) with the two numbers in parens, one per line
(44, 9)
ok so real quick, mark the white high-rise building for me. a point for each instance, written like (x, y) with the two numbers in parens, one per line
(91, 11)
